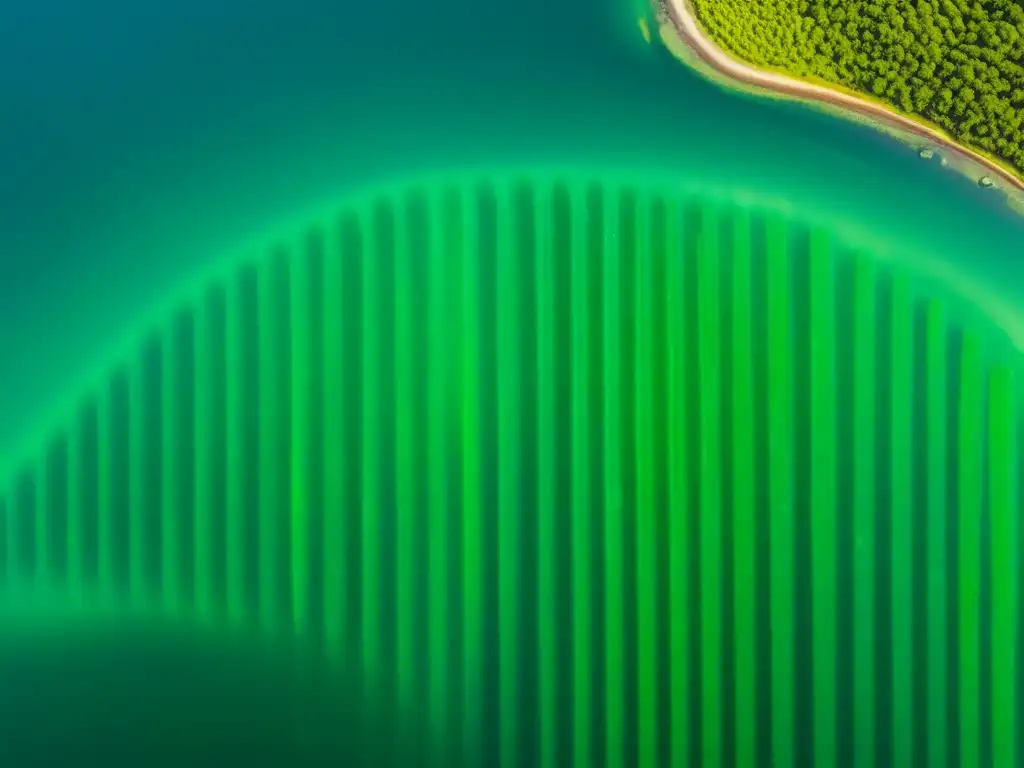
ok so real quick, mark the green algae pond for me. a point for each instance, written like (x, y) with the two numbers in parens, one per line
(570, 407)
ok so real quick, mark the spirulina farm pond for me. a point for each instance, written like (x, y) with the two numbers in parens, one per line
(583, 471)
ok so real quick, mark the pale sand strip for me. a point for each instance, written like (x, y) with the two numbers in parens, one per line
(682, 19)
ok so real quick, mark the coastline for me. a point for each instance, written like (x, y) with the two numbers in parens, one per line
(684, 27)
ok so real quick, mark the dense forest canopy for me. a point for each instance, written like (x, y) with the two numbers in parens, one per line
(956, 63)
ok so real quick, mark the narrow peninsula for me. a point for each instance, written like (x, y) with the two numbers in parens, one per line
(948, 72)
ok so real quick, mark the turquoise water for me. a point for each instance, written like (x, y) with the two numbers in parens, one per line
(141, 141)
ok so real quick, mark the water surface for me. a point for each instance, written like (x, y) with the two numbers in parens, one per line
(141, 141)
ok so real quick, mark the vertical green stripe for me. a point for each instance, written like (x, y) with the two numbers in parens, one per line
(744, 484)
(300, 458)
(10, 544)
(970, 501)
(547, 646)
(472, 575)
(1002, 479)
(864, 325)
(508, 482)
(780, 459)
(443, 241)
(935, 365)
(405, 465)
(171, 505)
(823, 497)
(646, 505)
(678, 478)
(709, 320)
(18, 569)
(44, 482)
(613, 501)
(269, 442)
(203, 461)
(105, 498)
(76, 575)
(234, 486)
(371, 458)
(581, 506)
(337, 465)
(901, 510)
(138, 507)
(25, 502)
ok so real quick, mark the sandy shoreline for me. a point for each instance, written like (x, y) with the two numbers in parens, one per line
(681, 17)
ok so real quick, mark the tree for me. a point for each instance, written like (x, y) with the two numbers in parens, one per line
(958, 63)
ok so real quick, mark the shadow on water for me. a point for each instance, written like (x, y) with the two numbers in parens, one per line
(118, 695)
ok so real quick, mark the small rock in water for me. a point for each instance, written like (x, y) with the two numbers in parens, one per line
(985, 181)
(926, 153)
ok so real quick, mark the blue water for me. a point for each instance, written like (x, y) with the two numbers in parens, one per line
(143, 140)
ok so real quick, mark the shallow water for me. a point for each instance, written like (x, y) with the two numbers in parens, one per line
(142, 142)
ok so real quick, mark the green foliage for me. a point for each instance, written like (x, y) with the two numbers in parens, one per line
(956, 63)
